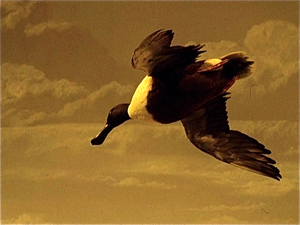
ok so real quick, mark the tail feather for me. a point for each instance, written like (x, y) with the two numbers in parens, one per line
(238, 65)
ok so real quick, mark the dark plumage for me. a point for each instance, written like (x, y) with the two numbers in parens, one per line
(209, 131)
(178, 87)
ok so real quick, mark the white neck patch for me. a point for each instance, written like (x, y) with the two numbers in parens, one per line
(137, 108)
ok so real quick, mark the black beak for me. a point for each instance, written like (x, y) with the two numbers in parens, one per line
(99, 139)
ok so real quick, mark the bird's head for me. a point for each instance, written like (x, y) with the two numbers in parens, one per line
(116, 116)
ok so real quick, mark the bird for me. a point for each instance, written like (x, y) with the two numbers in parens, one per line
(180, 87)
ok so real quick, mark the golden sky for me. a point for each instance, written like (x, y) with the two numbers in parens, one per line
(65, 64)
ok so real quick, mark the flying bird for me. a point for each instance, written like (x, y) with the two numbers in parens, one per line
(178, 87)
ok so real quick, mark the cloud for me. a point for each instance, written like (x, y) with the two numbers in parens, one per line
(153, 164)
(194, 165)
(157, 155)
(222, 207)
(42, 27)
(268, 132)
(88, 103)
(219, 49)
(27, 218)
(162, 145)
(19, 81)
(273, 46)
(61, 49)
(32, 174)
(48, 174)
(134, 182)
(96, 178)
(63, 89)
(221, 175)
(233, 212)
(226, 220)
(15, 12)
(269, 188)
(24, 118)
(133, 133)
(29, 97)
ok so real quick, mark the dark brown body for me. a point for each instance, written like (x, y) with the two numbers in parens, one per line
(170, 101)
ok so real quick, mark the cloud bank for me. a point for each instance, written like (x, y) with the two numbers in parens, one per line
(76, 85)
(132, 166)
(273, 46)
(15, 12)
(19, 82)
(29, 97)
(48, 26)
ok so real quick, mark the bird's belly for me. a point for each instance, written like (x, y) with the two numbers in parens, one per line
(137, 109)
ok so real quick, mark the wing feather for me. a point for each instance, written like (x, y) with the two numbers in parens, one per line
(158, 58)
(143, 55)
(209, 131)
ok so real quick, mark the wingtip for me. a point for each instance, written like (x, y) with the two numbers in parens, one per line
(271, 171)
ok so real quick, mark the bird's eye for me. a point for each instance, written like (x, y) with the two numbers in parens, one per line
(150, 60)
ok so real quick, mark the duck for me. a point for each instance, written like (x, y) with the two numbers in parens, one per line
(180, 87)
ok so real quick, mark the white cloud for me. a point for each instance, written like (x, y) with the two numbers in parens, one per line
(33, 174)
(222, 207)
(268, 128)
(153, 165)
(160, 154)
(18, 81)
(87, 103)
(274, 48)
(269, 132)
(42, 27)
(72, 107)
(225, 219)
(63, 89)
(21, 81)
(16, 12)
(233, 212)
(269, 187)
(27, 118)
(27, 218)
(76, 104)
(96, 178)
(24, 88)
(200, 166)
(222, 175)
(48, 174)
(134, 182)
(113, 86)
(278, 136)
(219, 49)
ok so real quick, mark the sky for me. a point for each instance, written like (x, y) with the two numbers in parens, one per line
(64, 65)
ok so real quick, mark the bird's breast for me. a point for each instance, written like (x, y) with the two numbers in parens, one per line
(137, 109)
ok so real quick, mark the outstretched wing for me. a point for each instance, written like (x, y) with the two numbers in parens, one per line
(209, 131)
(156, 57)
(143, 55)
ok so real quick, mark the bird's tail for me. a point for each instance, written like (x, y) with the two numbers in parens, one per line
(237, 65)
